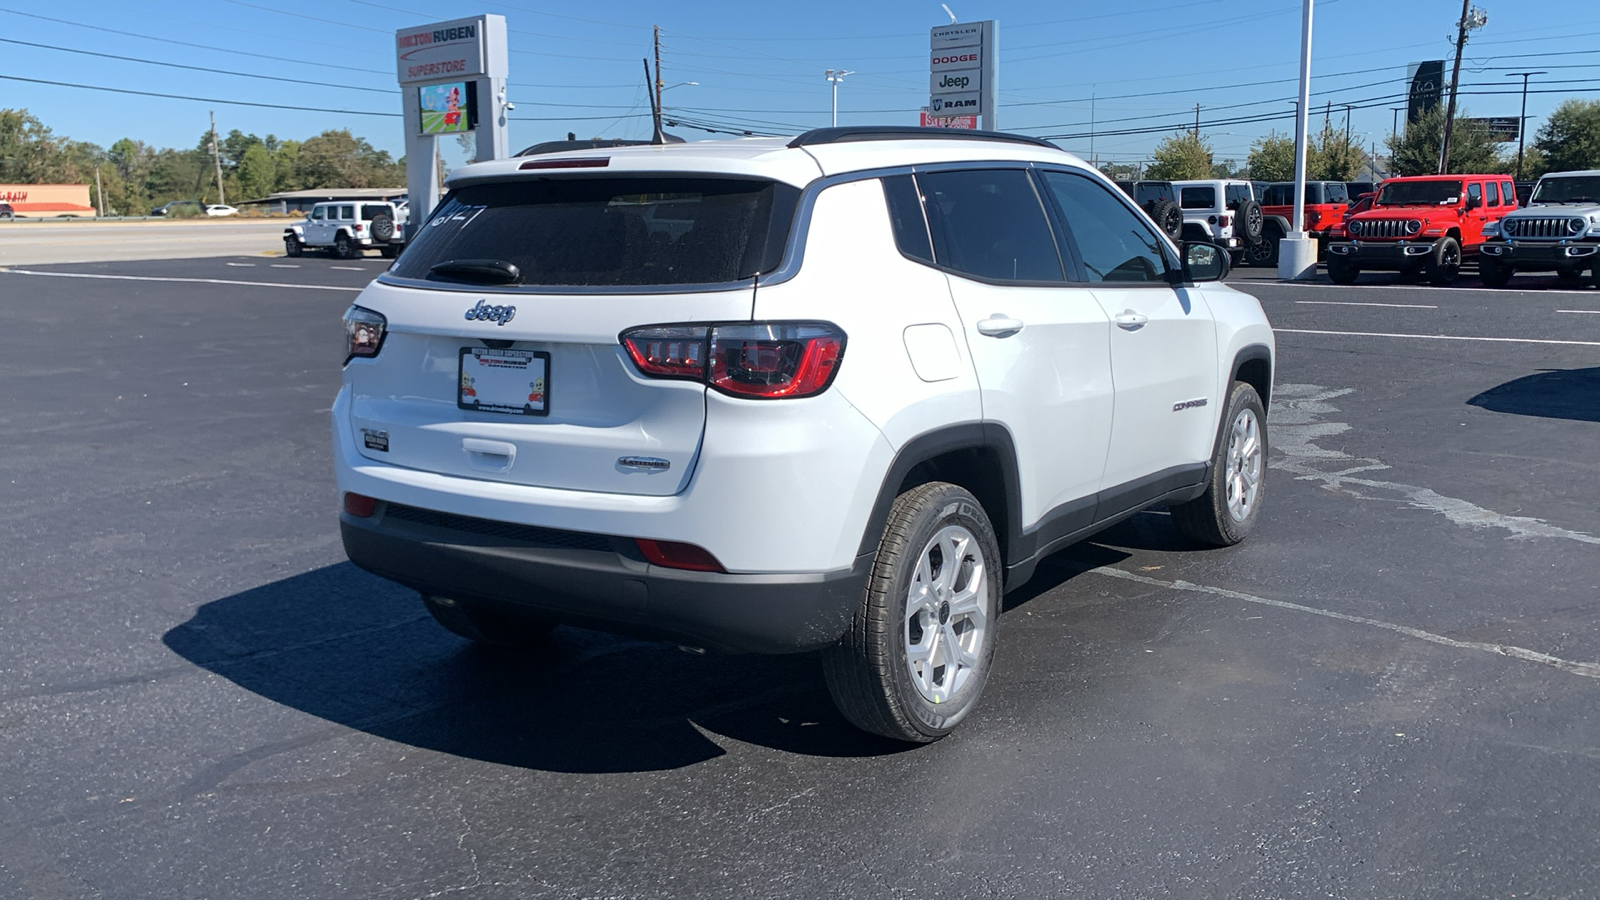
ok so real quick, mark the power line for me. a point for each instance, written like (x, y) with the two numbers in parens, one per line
(167, 95)
(156, 62)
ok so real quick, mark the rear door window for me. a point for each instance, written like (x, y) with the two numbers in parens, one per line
(1508, 191)
(1493, 191)
(347, 212)
(1198, 198)
(616, 231)
(991, 225)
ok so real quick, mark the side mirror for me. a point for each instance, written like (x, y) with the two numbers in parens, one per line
(1204, 262)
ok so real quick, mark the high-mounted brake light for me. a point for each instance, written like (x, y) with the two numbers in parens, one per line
(586, 163)
(760, 360)
(364, 331)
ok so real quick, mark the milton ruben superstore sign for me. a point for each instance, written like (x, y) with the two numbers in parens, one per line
(437, 36)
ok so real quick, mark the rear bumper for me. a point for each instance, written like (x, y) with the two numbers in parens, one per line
(602, 582)
(1530, 255)
(1383, 255)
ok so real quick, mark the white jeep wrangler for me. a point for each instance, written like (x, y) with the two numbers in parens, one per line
(833, 393)
(347, 228)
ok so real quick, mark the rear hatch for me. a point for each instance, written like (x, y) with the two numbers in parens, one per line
(501, 359)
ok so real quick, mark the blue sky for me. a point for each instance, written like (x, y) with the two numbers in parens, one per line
(759, 66)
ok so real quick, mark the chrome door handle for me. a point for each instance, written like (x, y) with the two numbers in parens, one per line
(998, 325)
(1131, 320)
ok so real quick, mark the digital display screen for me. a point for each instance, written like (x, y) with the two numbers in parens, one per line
(448, 108)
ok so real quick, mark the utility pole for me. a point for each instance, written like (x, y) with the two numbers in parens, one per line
(1471, 20)
(1091, 131)
(655, 95)
(1347, 108)
(1197, 120)
(216, 157)
(1394, 123)
(100, 192)
(1522, 121)
(655, 106)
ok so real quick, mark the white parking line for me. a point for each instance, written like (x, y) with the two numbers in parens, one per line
(1354, 303)
(267, 284)
(1580, 312)
(1244, 283)
(283, 265)
(242, 265)
(1439, 337)
(348, 268)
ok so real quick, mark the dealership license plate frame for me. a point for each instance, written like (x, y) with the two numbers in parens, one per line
(509, 377)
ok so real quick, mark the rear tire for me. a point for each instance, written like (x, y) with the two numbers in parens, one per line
(389, 251)
(485, 627)
(1227, 512)
(1263, 252)
(344, 248)
(1342, 272)
(1494, 273)
(919, 650)
(292, 247)
(1445, 262)
(1168, 217)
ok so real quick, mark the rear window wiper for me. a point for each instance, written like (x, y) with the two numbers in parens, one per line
(478, 271)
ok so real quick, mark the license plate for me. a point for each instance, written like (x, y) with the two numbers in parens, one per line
(513, 382)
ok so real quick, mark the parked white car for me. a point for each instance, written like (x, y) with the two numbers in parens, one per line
(346, 228)
(838, 392)
(218, 209)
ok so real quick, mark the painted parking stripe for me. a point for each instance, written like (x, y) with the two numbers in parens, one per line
(284, 266)
(1439, 337)
(1354, 303)
(1580, 312)
(267, 284)
(348, 268)
(243, 265)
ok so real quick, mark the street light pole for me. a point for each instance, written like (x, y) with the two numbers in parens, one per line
(1522, 121)
(835, 76)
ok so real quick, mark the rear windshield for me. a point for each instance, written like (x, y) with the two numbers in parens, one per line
(597, 232)
(1148, 191)
(1198, 198)
(1420, 193)
(1580, 189)
(372, 211)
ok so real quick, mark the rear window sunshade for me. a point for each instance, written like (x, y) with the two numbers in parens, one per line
(605, 232)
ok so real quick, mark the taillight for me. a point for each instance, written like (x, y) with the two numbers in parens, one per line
(363, 332)
(358, 228)
(360, 505)
(1223, 221)
(678, 555)
(762, 360)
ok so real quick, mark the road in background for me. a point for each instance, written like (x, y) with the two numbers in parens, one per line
(26, 242)
(1392, 690)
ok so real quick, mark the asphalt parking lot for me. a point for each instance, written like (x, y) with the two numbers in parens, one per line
(1391, 690)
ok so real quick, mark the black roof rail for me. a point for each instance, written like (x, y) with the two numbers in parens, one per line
(850, 133)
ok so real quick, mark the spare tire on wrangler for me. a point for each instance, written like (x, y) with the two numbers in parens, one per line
(1248, 221)
(382, 228)
(1168, 217)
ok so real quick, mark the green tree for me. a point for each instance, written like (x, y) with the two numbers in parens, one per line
(256, 173)
(1272, 158)
(1415, 151)
(340, 159)
(286, 167)
(1570, 138)
(1181, 156)
(1332, 156)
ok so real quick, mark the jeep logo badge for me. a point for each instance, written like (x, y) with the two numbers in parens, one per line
(483, 312)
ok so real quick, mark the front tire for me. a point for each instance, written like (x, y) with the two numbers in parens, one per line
(1494, 273)
(1342, 272)
(1570, 276)
(1227, 512)
(1445, 262)
(919, 650)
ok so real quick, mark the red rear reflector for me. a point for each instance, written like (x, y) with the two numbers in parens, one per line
(360, 505)
(590, 163)
(677, 555)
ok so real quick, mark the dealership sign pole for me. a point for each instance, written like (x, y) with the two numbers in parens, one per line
(963, 63)
(452, 81)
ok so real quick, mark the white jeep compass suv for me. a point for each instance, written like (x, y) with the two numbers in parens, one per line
(838, 392)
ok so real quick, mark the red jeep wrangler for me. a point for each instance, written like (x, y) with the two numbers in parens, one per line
(1326, 204)
(1423, 223)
